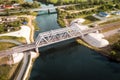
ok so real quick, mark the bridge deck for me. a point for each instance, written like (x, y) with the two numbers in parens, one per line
(47, 38)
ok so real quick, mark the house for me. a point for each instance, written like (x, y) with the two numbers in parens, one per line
(117, 13)
(11, 18)
(103, 14)
(8, 7)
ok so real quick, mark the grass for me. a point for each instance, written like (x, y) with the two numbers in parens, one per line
(4, 60)
(110, 28)
(35, 24)
(6, 45)
(114, 38)
(6, 71)
(111, 21)
(20, 39)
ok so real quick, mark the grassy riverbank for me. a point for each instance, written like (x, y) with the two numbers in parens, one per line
(105, 51)
(19, 39)
(6, 45)
(7, 71)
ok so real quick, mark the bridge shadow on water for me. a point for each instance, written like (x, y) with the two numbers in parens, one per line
(40, 14)
(57, 47)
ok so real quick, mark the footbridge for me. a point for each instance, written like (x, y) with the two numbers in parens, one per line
(48, 38)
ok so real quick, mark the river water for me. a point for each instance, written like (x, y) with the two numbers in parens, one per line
(69, 60)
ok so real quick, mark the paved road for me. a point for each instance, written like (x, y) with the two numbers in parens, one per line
(109, 33)
(24, 65)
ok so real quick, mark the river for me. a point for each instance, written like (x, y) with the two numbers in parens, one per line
(69, 60)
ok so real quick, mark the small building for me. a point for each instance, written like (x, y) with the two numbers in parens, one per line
(103, 14)
(8, 7)
(24, 23)
(10, 18)
(117, 13)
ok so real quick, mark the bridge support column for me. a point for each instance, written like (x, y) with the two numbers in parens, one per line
(36, 49)
(48, 11)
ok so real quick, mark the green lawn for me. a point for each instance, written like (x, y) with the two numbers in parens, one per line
(20, 39)
(6, 45)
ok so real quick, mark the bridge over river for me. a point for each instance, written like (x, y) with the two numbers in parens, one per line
(48, 38)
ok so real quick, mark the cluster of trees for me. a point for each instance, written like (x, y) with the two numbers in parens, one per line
(10, 2)
(104, 6)
(61, 2)
(61, 15)
(35, 4)
(116, 45)
(12, 26)
(115, 53)
(96, 5)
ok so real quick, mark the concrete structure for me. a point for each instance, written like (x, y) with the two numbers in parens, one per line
(17, 57)
(96, 40)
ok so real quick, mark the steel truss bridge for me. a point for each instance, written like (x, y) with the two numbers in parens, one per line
(48, 38)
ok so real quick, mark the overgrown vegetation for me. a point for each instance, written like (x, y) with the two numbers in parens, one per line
(61, 2)
(86, 9)
(115, 53)
(7, 26)
(28, 5)
(6, 71)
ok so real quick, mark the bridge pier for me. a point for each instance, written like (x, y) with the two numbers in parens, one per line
(48, 11)
(36, 49)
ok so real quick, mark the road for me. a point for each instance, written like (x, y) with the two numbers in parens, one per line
(37, 9)
(77, 11)
(24, 66)
(109, 33)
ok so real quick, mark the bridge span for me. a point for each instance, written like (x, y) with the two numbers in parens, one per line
(51, 8)
(48, 38)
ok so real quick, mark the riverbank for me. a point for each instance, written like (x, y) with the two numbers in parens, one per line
(33, 55)
(105, 51)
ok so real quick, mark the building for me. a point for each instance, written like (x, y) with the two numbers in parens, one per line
(117, 13)
(103, 14)
(8, 7)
